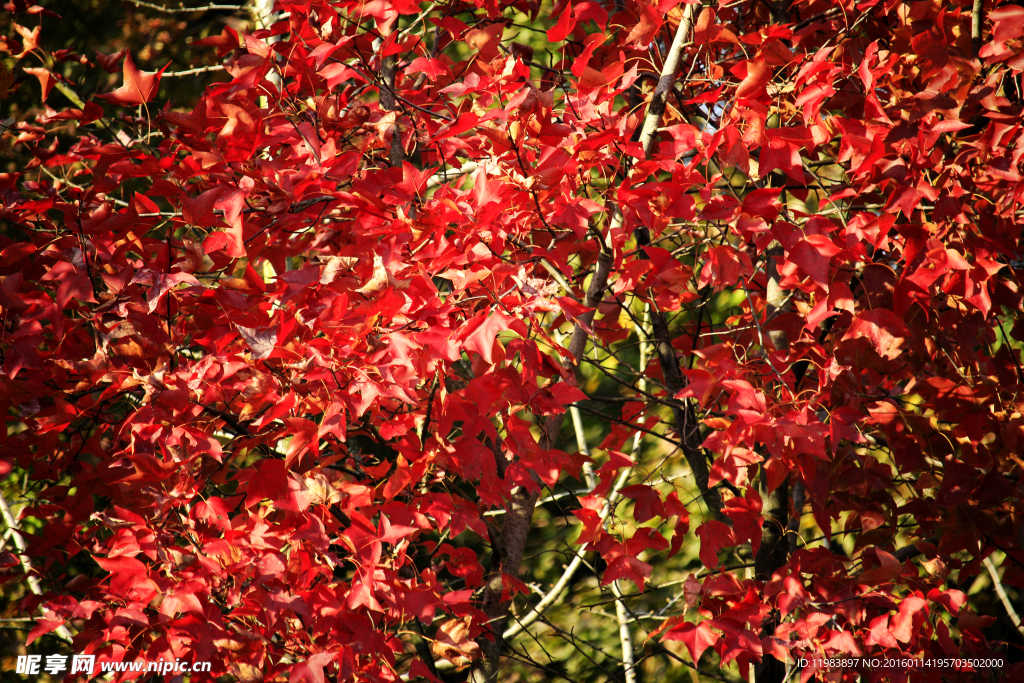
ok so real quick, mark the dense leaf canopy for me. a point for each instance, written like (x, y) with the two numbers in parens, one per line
(509, 341)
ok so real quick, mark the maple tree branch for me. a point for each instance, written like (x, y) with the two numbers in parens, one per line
(656, 107)
(435, 114)
(827, 14)
(430, 407)
(625, 637)
(192, 72)
(517, 521)
(423, 647)
(976, 29)
(685, 418)
(578, 340)
(771, 556)
(186, 10)
(570, 570)
(548, 266)
(793, 527)
(438, 180)
(911, 551)
(509, 549)
(773, 551)
(1001, 592)
(67, 92)
(388, 68)
(26, 564)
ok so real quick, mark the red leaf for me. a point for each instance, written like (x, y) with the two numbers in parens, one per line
(813, 254)
(45, 78)
(124, 570)
(714, 536)
(225, 42)
(260, 340)
(304, 438)
(420, 670)
(627, 567)
(110, 62)
(480, 334)
(783, 155)
(312, 670)
(648, 502)
(882, 328)
(725, 267)
(739, 641)
(1007, 22)
(566, 23)
(696, 637)
(565, 393)
(43, 626)
(764, 203)
(951, 599)
(29, 38)
(269, 480)
(890, 569)
(901, 624)
(755, 75)
(392, 533)
(277, 410)
(139, 87)
(699, 385)
(433, 68)
(745, 514)
(574, 310)
(879, 633)
(398, 480)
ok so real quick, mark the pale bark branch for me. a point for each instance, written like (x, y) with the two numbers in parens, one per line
(388, 102)
(450, 174)
(486, 668)
(976, 30)
(621, 615)
(625, 637)
(656, 107)
(26, 564)
(1003, 597)
(520, 513)
(186, 10)
(193, 72)
(685, 418)
(570, 570)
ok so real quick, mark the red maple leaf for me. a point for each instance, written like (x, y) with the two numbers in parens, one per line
(139, 86)
(696, 637)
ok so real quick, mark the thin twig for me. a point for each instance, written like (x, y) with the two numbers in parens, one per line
(185, 10)
(438, 180)
(192, 72)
